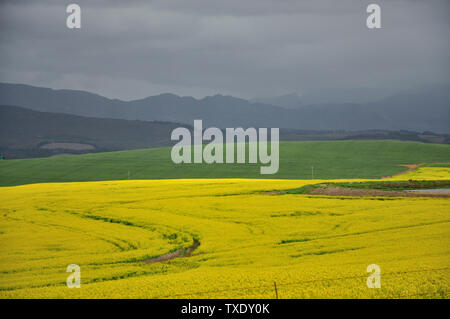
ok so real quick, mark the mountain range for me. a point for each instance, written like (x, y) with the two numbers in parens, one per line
(326, 96)
(421, 110)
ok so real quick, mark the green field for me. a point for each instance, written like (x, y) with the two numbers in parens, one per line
(248, 233)
(330, 159)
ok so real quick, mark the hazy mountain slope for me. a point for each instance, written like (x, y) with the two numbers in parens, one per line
(60, 101)
(427, 110)
(216, 110)
(326, 96)
(288, 101)
(23, 132)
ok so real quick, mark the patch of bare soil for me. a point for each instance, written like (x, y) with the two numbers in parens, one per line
(271, 193)
(183, 252)
(410, 167)
(339, 191)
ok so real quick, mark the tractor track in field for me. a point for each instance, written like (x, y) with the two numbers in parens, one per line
(179, 253)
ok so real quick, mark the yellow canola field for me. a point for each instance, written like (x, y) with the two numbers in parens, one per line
(426, 173)
(250, 237)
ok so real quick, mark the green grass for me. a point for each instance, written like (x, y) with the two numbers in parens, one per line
(330, 159)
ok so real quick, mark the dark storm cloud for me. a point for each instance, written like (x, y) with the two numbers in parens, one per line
(131, 49)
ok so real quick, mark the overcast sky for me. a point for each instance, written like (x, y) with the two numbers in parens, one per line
(246, 48)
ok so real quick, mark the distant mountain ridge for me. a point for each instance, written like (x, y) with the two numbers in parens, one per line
(326, 96)
(427, 110)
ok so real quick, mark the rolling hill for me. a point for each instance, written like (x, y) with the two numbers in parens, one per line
(330, 159)
(26, 133)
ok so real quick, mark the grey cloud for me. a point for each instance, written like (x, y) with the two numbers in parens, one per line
(244, 48)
